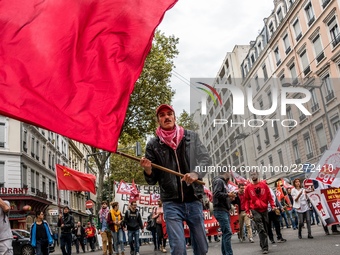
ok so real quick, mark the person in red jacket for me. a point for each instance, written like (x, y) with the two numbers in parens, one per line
(257, 196)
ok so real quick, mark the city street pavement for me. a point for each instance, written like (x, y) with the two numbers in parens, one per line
(320, 245)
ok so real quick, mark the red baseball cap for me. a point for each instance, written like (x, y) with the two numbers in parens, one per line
(162, 106)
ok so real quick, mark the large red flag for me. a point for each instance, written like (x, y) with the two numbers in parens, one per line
(69, 179)
(70, 66)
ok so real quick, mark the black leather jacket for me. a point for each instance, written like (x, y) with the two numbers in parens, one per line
(188, 157)
(68, 221)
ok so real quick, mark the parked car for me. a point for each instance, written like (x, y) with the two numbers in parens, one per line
(21, 243)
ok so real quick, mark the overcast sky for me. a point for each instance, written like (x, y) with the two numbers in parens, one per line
(207, 30)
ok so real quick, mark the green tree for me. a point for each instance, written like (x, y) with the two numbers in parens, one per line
(186, 120)
(151, 89)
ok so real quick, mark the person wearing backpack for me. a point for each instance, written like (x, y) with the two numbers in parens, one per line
(151, 226)
(133, 222)
(158, 215)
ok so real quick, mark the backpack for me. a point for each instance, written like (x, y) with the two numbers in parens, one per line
(151, 223)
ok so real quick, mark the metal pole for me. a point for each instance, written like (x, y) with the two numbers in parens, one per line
(324, 107)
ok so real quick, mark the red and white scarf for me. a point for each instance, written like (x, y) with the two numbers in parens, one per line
(172, 138)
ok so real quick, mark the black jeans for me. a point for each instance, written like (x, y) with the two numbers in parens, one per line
(66, 243)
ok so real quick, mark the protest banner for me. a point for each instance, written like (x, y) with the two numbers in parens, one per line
(327, 204)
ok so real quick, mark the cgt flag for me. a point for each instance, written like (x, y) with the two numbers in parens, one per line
(70, 66)
(69, 179)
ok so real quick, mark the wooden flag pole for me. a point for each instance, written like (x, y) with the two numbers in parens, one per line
(157, 166)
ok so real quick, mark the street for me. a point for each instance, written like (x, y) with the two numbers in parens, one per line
(320, 245)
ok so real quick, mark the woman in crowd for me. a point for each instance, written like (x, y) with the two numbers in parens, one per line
(301, 206)
(41, 235)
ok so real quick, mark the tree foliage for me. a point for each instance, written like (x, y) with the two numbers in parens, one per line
(151, 89)
(186, 120)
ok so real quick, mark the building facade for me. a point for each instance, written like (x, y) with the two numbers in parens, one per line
(298, 47)
(28, 155)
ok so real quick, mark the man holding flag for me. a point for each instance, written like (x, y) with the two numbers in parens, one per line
(182, 151)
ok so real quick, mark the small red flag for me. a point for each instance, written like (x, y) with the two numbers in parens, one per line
(69, 179)
(70, 65)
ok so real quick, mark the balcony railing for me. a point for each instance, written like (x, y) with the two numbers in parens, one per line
(309, 155)
(330, 96)
(302, 117)
(323, 148)
(297, 161)
(315, 107)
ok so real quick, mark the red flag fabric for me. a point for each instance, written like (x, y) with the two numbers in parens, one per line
(134, 195)
(154, 198)
(279, 192)
(286, 185)
(69, 179)
(232, 187)
(239, 179)
(124, 188)
(208, 193)
(70, 66)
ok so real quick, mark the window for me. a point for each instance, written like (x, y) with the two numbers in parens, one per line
(328, 88)
(2, 135)
(276, 130)
(24, 141)
(271, 27)
(261, 104)
(2, 174)
(37, 180)
(309, 13)
(49, 160)
(297, 30)
(335, 123)
(32, 181)
(325, 3)
(318, 49)
(290, 116)
(266, 134)
(24, 175)
(322, 139)
(258, 142)
(334, 31)
(269, 94)
(308, 145)
(265, 74)
(279, 14)
(32, 146)
(293, 71)
(37, 150)
(296, 152)
(279, 153)
(252, 58)
(44, 184)
(257, 83)
(259, 46)
(286, 43)
(43, 155)
(277, 56)
(315, 104)
(305, 62)
(270, 158)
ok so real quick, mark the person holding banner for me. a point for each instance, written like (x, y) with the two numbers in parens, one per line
(302, 207)
(181, 151)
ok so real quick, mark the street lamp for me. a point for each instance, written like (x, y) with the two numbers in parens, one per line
(323, 102)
